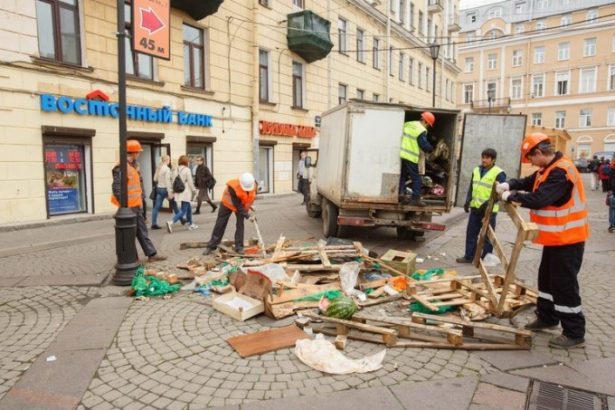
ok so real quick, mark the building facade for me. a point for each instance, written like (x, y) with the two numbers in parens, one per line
(553, 60)
(245, 85)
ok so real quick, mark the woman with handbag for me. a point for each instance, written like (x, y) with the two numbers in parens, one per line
(183, 189)
(204, 180)
(162, 190)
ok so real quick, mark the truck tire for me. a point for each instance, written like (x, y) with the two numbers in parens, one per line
(312, 210)
(343, 231)
(403, 233)
(329, 218)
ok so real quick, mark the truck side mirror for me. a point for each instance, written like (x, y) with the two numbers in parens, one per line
(308, 161)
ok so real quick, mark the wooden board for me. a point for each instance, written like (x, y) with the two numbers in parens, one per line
(267, 341)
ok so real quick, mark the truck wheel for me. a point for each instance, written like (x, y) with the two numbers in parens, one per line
(403, 233)
(329, 219)
(343, 231)
(312, 210)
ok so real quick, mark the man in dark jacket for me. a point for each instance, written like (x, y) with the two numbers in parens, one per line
(202, 178)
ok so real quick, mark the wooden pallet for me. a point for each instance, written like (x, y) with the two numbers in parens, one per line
(525, 231)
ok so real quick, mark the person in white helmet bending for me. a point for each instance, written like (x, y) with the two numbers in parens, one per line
(237, 198)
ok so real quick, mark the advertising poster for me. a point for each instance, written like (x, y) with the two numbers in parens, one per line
(64, 176)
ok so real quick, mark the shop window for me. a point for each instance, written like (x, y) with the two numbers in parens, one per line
(58, 30)
(137, 64)
(194, 57)
(265, 171)
(67, 176)
(197, 149)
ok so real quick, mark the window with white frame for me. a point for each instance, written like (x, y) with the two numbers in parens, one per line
(420, 75)
(610, 116)
(393, 8)
(264, 75)
(542, 4)
(517, 58)
(468, 93)
(420, 23)
(360, 44)
(341, 35)
(402, 64)
(427, 79)
(520, 7)
(375, 97)
(560, 119)
(446, 96)
(611, 82)
(492, 90)
(391, 61)
(495, 12)
(470, 37)
(565, 20)
(402, 11)
(452, 91)
(589, 47)
(297, 85)
(376, 53)
(360, 94)
(540, 25)
(516, 87)
(299, 4)
(536, 118)
(411, 16)
(471, 18)
(592, 15)
(468, 65)
(585, 117)
(587, 80)
(493, 34)
(411, 71)
(342, 95)
(492, 61)
(538, 85)
(613, 44)
(519, 28)
(563, 51)
(562, 81)
(539, 55)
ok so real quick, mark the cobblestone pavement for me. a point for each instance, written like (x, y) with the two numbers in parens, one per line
(30, 319)
(172, 353)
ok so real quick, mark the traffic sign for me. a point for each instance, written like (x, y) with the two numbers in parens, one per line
(151, 30)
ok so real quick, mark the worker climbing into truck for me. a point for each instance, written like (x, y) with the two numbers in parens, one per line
(414, 140)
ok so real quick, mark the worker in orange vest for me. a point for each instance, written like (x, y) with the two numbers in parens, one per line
(556, 199)
(237, 198)
(136, 198)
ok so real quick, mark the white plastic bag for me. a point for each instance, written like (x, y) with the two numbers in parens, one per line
(349, 274)
(491, 260)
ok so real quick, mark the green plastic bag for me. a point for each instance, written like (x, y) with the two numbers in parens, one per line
(427, 275)
(418, 307)
(145, 285)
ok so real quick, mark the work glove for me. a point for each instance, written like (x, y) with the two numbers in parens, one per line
(466, 207)
(503, 187)
(253, 218)
(504, 196)
(245, 215)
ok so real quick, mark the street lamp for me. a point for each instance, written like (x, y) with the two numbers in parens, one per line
(434, 49)
(490, 97)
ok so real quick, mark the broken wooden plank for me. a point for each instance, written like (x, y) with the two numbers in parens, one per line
(267, 341)
(323, 256)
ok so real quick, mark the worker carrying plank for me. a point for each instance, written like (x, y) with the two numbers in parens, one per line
(556, 199)
(237, 198)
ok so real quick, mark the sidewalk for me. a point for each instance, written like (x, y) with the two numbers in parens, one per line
(113, 352)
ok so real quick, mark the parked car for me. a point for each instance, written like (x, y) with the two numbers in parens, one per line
(581, 164)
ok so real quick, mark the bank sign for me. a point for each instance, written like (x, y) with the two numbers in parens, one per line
(98, 108)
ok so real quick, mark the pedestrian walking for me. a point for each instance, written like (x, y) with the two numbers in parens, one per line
(203, 178)
(414, 139)
(603, 174)
(163, 180)
(238, 197)
(136, 198)
(610, 197)
(476, 202)
(303, 186)
(183, 196)
(592, 167)
(556, 198)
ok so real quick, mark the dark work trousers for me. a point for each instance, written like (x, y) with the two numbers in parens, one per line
(475, 223)
(304, 188)
(142, 236)
(216, 236)
(410, 169)
(558, 289)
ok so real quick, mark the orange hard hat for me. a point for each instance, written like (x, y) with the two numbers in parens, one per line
(530, 142)
(133, 146)
(428, 118)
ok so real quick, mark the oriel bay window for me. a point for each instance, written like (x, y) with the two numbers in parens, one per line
(194, 57)
(137, 64)
(57, 22)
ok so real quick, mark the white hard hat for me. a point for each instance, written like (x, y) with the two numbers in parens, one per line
(246, 180)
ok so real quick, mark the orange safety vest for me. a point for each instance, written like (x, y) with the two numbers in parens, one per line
(565, 224)
(135, 192)
(246, 198)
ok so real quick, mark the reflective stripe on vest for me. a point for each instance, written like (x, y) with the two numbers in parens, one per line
(135, 193)
(481, 187)
(246, 198)
(409, 141)
(566, 224)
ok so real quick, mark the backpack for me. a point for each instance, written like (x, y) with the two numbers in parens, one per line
(211, 183)
(178, 184)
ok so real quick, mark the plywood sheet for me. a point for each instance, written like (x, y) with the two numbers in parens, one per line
(267, 341)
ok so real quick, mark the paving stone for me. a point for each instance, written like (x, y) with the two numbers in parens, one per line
(494, 397)
(428, 395)
(508, 381)
(516, 359)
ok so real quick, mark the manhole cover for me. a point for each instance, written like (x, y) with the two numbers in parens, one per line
(549, 396)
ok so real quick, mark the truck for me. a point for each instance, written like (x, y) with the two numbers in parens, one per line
(355, 171)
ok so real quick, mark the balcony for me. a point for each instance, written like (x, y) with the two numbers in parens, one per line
(435, 6)
(453, 23)
(308, 35)
(197, 9)
(491, 105)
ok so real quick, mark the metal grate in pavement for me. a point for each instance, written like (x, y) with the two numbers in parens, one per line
(549, 396)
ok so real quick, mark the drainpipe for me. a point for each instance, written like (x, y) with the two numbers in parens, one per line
(255, 90)
(387, 74)
(329, 79)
